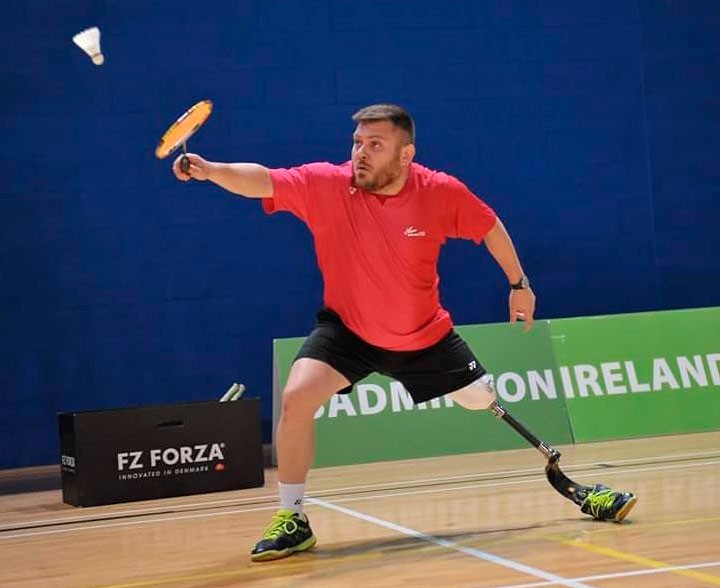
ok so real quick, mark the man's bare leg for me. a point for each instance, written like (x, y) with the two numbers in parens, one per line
(311, 382)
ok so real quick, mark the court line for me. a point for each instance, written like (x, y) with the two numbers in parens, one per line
(484, 555)
(311, 496)
(611, 576)
(267, 497)
(614, 528)
(177, 579)
(133, 523)
(272, 497)
(501, 484)
(636, 559)
(270, 507)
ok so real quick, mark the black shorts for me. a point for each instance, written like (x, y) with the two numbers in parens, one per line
(427, 373)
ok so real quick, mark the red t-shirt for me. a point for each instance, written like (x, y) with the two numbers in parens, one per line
(378, 254)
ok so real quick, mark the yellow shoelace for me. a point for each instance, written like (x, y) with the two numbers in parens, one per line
(600, 500)
(281, 523)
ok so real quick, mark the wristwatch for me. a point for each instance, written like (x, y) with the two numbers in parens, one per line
(522, 284)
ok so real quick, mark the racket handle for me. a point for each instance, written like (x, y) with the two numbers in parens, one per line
(184, 164)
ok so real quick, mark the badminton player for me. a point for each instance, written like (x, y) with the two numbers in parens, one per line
(378, 222)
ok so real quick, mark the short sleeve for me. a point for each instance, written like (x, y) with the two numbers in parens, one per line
(291, 191)
(467, 217)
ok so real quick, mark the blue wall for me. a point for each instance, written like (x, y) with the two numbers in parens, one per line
(592, 127)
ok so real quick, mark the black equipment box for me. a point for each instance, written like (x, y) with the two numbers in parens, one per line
(121, 455)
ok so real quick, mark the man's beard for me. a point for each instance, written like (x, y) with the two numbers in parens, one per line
(382, 178)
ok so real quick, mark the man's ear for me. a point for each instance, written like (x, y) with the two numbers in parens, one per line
(407, 154)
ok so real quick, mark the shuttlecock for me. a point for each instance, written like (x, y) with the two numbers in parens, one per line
(89, 41)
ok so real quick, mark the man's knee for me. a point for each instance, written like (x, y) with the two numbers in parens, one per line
(304, 399)
(479, 395)
(296, 400)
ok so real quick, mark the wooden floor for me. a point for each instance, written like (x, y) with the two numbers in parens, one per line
(464, 521)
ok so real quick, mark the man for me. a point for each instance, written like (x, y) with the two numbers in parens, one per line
(378, 222)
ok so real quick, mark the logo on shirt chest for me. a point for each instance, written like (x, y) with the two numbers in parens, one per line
(413, 232)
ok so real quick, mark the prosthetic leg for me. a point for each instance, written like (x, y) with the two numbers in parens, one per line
(599, 501)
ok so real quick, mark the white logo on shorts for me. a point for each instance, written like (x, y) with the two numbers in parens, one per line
(472, 365)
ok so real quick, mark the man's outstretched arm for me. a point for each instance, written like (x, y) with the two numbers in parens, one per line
(246, 179)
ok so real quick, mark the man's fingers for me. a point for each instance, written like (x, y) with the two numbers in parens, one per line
(194, 172)
(528, 322)
(517, 314)
(180, 175)
(189, 166)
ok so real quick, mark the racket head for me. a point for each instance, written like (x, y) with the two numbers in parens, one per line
(183, 128)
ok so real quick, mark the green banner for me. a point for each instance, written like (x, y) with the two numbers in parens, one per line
(580, 379)
(642, 374)
(378, 421)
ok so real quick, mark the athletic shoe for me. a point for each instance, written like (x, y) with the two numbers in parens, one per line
(288, 533)
(604, 504)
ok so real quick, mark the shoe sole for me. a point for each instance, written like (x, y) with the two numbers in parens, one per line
(274, 554)
(627, 507)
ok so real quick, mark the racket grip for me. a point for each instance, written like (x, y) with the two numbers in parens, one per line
(184, 164)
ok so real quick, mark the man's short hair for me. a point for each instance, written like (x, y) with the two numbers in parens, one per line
(397, 115)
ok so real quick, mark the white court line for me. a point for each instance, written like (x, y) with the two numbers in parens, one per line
(133, 523)
(570, 468)
(349, 499)
(511, 483)
(195, 505)
(262, 497)
(664, 570)
(107, 515)
(484, 555)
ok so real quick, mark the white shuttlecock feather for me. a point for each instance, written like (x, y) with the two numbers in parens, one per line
(89, 41)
